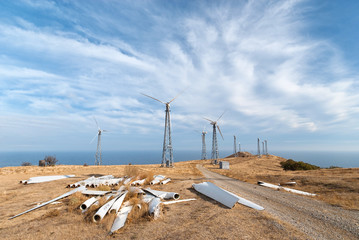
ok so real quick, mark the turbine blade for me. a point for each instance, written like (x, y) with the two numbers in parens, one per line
(152, 98)
(93, 138)
(208, 120)
(96, 122)
(221, 115)
(178, 95)
(220, 132)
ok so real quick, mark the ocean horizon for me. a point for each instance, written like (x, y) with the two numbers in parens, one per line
(323, 159)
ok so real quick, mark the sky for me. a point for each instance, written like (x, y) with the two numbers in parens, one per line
(284, 71)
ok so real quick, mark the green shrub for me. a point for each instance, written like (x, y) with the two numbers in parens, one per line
(292, 165)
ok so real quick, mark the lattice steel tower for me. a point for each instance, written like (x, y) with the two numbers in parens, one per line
(98, 154)
(167, 151)
(215, 153)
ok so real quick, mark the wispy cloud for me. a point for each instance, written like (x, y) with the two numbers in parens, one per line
(251, 58)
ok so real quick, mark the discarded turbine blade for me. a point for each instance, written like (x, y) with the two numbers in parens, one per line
(88, 203)
(216, 193)
(153, 98)
(154, 207)
(165, 181)
(121, 218)
(178, 201)
(53, 200)
(99, 215)
(117, 204)
(246, 202)
(286, 189)
(161, 194)
(157, 179)
(138, 182)
(94, 192)
(41, 179)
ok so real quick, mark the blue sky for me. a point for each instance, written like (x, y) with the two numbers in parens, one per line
(285, 71)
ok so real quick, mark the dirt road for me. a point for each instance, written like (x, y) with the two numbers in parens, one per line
(316, 219)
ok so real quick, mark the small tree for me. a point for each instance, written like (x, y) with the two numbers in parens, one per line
(50, 160)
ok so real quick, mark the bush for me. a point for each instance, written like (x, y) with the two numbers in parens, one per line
(26, 164)
(50, 160)
(292, 165)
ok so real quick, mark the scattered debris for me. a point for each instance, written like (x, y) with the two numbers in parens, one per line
(161, 194)
(87, 204)
(165, 181)
(178, 201)
(157, 179)
(41, 179)
(264, 184)
(121, 218)
(51, 201)
(223, 196)
(154, 207)
(138, 182)
(287, 183)
(94, 192)
(216, 193)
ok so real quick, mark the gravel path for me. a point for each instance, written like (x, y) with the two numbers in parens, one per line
(315, 218)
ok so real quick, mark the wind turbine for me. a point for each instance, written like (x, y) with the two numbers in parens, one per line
(98, 155)
(204, 150)
(215, 154)
(167, 140)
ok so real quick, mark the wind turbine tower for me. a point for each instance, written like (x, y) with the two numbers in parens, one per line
(235, 146)
(258, 148)
(215, 153)
(239, 147)
(266, 146)
(167, 151)
(263, 150)
(204, 150)
(98, 155)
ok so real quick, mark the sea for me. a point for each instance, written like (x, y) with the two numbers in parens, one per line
(322, 159)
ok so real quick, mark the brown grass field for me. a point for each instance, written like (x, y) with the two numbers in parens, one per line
(200, 219)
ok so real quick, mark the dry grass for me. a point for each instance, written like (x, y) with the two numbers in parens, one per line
(337, 186)
(201, 219)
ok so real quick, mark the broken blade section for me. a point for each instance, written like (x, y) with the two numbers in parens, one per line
(120, 219)
(216, 193)
(82, 188)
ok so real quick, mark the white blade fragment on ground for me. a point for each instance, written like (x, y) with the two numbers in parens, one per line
(216, 193)
(178, 201)
(121, 218)
(138, 182)
(165, 181)
(154, 207)
(127, 181)
(157, 179)
(41, 179)
(88, 203)
(103, 210)
(286, 189)
(161, 194)
(246, 202)
(53, 200)
(94, 192)
(117, 204)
